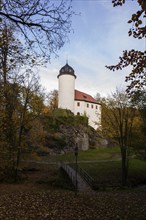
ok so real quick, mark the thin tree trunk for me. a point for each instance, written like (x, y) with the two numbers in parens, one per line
(124, 165)
(20, 138)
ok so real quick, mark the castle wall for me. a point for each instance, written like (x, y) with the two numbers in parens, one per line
(91, 110)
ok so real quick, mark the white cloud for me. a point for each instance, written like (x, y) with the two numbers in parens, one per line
(100, 37)
(49, 78)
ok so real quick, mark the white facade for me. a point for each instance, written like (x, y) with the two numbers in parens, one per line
(91, 110)
(66, 92)
(78, 102)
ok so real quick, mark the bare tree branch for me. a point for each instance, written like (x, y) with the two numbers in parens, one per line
(43, 23)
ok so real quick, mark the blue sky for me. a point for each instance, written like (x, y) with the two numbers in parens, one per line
(99, 37)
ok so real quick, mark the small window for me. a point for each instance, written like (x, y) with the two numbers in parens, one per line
(91, 106)
(96, 107)
(78, 113)
(87, 105)
(78, 103)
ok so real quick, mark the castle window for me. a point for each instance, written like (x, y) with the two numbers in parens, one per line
(78, 103)
(78, 113)
(87, 105)
(96, 107)
(91, 106)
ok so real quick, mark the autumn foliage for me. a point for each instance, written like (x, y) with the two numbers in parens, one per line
(134, 58)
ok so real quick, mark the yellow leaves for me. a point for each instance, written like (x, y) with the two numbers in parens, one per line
(139, 22)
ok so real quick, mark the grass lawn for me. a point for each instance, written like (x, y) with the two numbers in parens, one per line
(89, 155)
(108, 174)
(104, 166)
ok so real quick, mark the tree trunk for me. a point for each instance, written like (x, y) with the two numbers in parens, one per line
(124, 165)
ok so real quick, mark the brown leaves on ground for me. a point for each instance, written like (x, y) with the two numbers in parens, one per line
(65, 205)
(36, 199)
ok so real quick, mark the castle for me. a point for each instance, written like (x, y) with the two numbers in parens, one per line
(78, 102)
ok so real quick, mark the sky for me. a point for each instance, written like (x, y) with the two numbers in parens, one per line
(100, 35)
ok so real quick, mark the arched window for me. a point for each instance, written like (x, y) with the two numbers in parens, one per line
(78, 113)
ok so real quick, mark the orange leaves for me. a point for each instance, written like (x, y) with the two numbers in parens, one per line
(137, 31)
(142, 3)
(137, 59)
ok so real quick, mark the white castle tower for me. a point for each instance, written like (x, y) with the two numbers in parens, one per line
(66, 90)
(78, 102)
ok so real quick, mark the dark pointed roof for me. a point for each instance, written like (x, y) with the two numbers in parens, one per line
(66, 70)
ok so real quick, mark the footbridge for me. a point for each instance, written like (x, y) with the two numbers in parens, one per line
(79, 177)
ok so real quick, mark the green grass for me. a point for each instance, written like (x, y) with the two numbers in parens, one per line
(89, 155)
(104, 166)
(108, 174)
(137, 171)
(100, 154)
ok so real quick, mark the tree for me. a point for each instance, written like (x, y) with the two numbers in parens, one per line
(9, 92)
(117, 122)
(135, 58)
(53, 100)
(31, 107)
(43, 24)
(139, 100)
(21, 99)
(142, 3)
